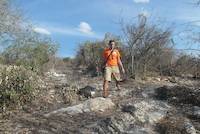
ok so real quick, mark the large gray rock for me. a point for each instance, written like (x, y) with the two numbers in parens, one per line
(121, 123)
(135, 118)
(150, 111)
(92, 105)
(196, 111)
(193, 111)
(188, 127)
(99, 104)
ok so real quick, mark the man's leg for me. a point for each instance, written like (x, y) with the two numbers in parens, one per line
(105, 88)
(117, 76)
(107, 78)
(117, 85)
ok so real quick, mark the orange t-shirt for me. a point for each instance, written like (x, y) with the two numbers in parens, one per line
(113, 58)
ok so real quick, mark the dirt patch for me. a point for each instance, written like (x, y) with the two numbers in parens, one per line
(176, 124)
(179, 94)
(62, 124)
(185, 103)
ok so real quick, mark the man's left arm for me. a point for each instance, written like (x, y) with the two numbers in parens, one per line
(120, 64)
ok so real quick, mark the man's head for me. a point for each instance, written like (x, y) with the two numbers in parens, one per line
(112, 44)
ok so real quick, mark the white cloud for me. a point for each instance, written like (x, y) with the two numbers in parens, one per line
(42, 30)
(84, 27)
(63, 30)
(141, 1)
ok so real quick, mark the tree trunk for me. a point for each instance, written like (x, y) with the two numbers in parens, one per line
(144, 69)
(132, 65)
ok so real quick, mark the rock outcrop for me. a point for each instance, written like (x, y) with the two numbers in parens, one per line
(98, 104)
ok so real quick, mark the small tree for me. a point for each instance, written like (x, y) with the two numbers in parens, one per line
(90, 54)
(22, 46)
(10, 22)
(146, 44)
(188, 65)
(31, 54)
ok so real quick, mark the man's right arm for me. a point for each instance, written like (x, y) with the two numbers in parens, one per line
(120, 63)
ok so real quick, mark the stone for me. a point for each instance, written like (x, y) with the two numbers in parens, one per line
(53, 74)
(92, 105)
(157, 79)
(196, 111)
(193, 112)
(99, 104)
(150, 111)
(87, 91)
(121, 123)
(189, 128)
(128, 108)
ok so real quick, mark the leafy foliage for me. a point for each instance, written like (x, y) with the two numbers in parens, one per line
(17, 86)
(31, 55)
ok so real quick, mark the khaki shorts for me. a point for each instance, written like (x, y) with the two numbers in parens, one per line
(112, 71)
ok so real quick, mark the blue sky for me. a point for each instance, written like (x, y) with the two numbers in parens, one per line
(70, 22)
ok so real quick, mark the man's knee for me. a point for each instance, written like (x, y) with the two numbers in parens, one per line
(106, 81)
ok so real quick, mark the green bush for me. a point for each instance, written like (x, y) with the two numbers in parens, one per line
(30, 56)
(17, 86)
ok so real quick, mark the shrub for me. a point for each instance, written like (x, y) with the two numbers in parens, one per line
(17, 86)
(30, 56)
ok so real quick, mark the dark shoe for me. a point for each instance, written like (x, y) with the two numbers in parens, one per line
(119, 89)
(122, 81)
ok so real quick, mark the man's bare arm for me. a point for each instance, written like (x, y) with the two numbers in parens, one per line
(121, 65)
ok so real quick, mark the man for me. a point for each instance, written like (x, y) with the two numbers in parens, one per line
(112, 62)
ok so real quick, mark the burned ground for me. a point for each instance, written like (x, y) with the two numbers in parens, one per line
(140, 107)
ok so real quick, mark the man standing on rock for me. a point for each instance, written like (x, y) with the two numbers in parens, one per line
(112, 61)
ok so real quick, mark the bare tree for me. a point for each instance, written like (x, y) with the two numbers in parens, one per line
(10, 21)
(22, 45)
(198, 2)
(145, 44)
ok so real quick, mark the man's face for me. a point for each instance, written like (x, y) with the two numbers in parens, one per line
(112, 45)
